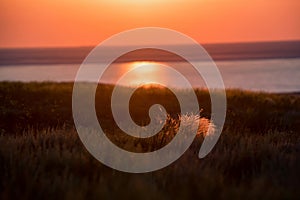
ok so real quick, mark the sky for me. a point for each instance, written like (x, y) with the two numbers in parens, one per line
(62, 23)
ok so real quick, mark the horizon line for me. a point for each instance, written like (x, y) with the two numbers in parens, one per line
(204, 44)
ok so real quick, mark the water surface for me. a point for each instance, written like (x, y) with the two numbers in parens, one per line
(271, 75)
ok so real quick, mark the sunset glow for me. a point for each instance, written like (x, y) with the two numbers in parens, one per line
(151, 66)
(34, 23)
(148, 72)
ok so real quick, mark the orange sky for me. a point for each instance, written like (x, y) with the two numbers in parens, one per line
(33, 23)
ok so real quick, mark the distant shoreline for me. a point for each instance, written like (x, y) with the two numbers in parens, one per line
(218, 52)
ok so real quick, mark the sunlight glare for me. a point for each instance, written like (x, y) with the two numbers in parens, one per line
(149, 72)
(149, 66)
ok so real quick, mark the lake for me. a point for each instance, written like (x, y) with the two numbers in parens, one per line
(270, 75)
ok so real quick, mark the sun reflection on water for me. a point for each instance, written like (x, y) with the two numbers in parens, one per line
(150, 73)
(147, 73)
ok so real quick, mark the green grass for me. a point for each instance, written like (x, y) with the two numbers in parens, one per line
(41, 156)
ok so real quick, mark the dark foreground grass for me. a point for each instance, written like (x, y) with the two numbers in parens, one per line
(41, 156)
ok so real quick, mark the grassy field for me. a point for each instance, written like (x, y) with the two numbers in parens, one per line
(42, 157)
